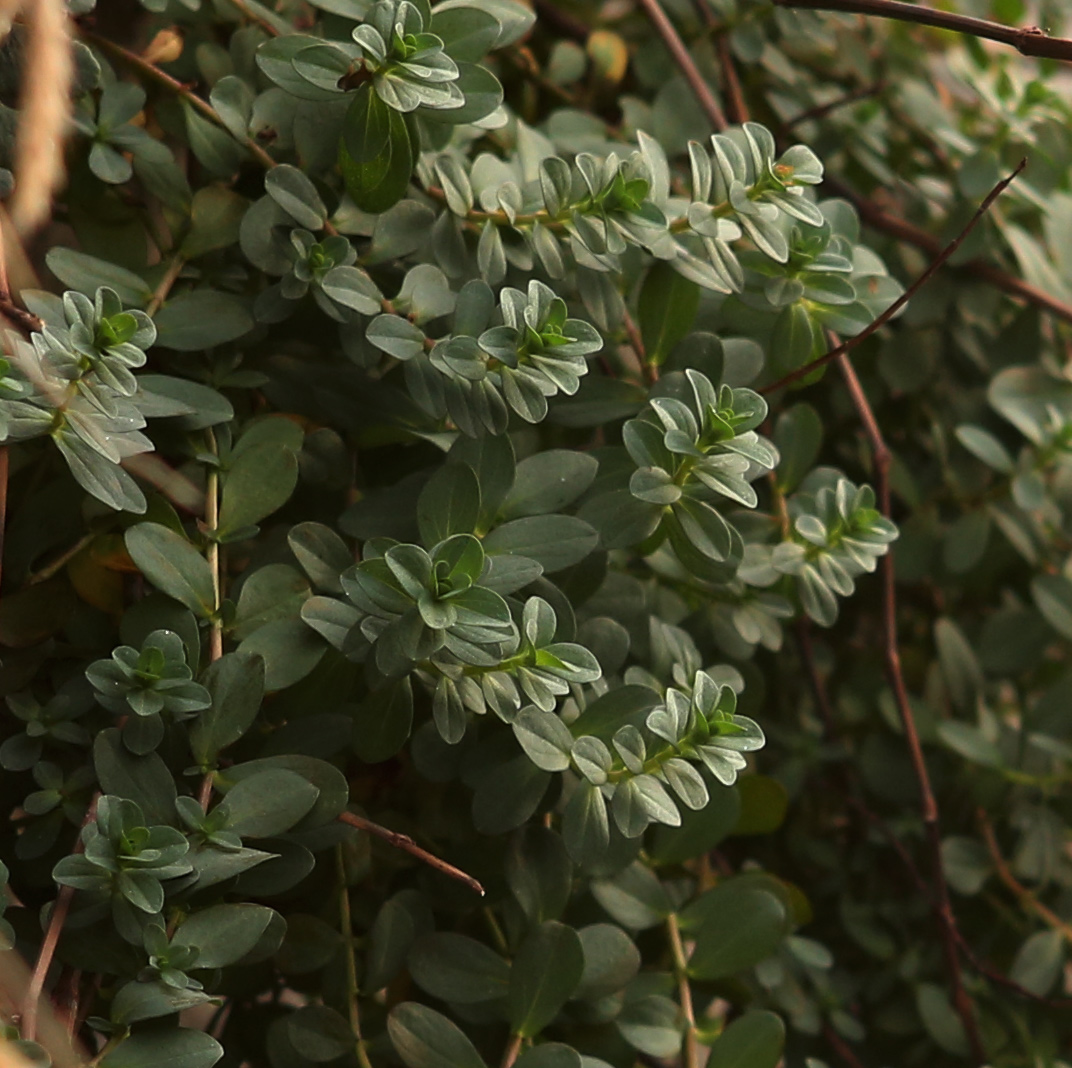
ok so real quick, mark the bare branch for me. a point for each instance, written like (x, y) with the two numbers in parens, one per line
(407, 845)
(701, 90)
(1027, 40)
(942, 904)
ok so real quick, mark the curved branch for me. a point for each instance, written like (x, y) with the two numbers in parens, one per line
(851, 343)
(1027, 40)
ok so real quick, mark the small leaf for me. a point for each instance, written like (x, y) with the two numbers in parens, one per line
(235, 683)
(165, 1047)
(172, 565)
(376, 153)
(457, 968)
(547, 969)
(666, 308)
(223, 934)
(424, 1038)
(754, 1040)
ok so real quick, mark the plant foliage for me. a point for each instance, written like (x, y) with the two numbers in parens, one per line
(395, 441)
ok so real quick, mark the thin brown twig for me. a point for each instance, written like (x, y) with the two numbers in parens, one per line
(513, 1048)
(943, 908)
(636, 343)
(212, 555)
(691, 1058)
(1026, 898)
(820, 111)
(161, 77)
(347, 928)
(62, 905)
(171, 276)
(1027, 40)
(701, 90)
(880, 219)
(933, 267)
(407, 845)
(736, 106)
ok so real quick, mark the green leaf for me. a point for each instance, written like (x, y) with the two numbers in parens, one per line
(798, 436)
(215, 215)
(700, 830)
(173, 566)
(145, 780)
(1039, 961)
(319, 1033)
(754, 1040)
(137, 1001)
(224, 934)
(87, 274)
(547, 969)
(165, 1047)
(201, 318)
(634, 897)
(764, 802)
(262, 474)
(334, 790)
(966, 863)
(389, 940)
(383, 721)
(941, 1020)
(448, 504)
(376, 153)
(323, 555)
(1052, 595)
(960, 666)
(207, 407)
(539, 873)
(611, 961)
(215, 148)
(666, 308)
(268, 803)
(271, 593)
(290, 651)
(458, 969)
(555, 541)
(548, 482)
(741, 925)
(554, 1055)
(235, 683)
(424, 1038)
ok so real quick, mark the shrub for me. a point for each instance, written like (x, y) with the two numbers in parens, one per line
(437, 495)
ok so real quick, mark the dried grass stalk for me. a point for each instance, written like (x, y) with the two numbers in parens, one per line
(45, 107)
(8, 10)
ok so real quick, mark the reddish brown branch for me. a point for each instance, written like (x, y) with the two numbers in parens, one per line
(1024, 896)
(1027, 40)
(697, 83)
(731, 83)
(47, 951)
(943, 908)
(407, 845)
(932, 269)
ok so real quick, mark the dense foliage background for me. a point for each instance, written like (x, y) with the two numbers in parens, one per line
(462, 604)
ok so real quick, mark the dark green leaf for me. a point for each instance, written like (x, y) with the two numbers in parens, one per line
(547, 969)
